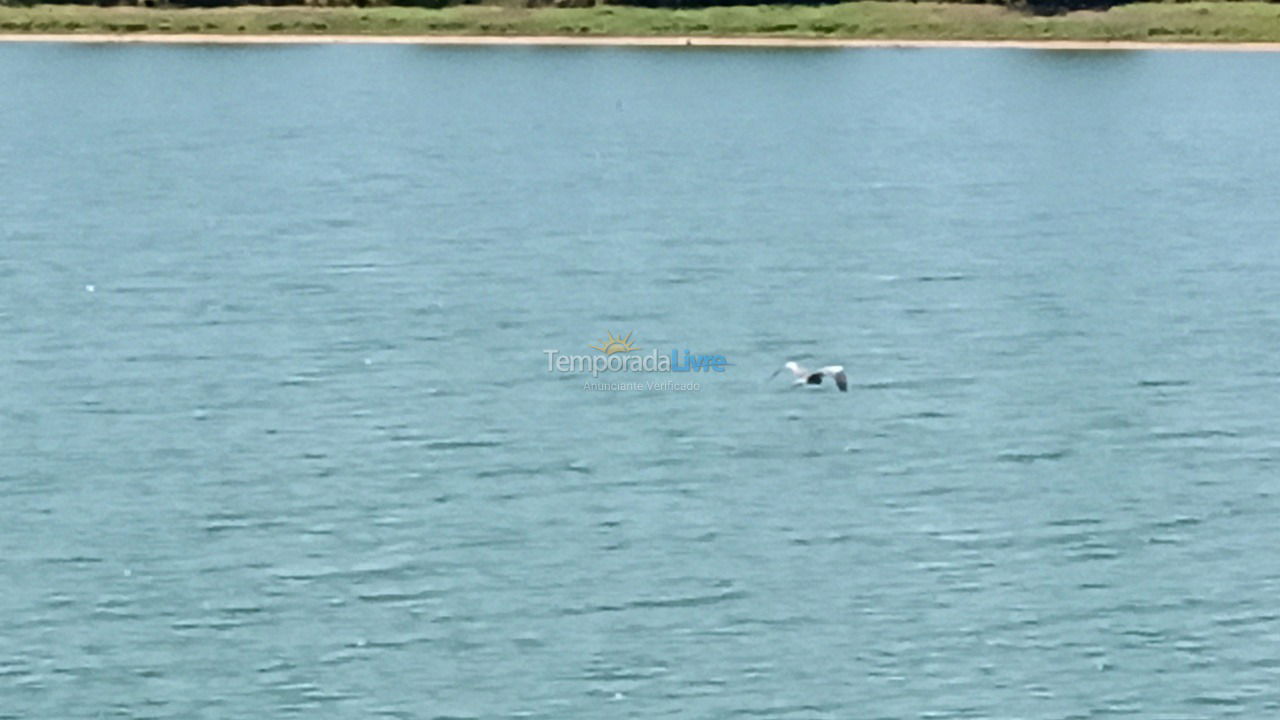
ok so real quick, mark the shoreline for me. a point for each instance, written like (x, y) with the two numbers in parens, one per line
(1246, 26)
(629, 41)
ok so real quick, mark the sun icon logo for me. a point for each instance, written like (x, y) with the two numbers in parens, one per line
(615, 345)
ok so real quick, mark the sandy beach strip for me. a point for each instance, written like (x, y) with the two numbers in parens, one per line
(622, 41)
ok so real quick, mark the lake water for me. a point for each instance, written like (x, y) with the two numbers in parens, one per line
(278, 437)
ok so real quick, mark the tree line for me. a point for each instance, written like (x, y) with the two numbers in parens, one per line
(1030, 6)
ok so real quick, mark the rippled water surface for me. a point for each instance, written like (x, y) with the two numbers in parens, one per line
(278, 438)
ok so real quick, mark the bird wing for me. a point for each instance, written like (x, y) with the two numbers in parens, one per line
(837, 373)
(799, 372)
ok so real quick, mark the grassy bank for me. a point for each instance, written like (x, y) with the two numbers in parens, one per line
(1184, 22)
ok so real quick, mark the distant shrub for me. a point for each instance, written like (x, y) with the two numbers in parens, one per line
(427, 4)
(1057, 7)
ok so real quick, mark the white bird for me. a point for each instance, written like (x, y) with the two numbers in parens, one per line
(814, 377)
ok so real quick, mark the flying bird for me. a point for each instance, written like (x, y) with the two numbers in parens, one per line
(814, 377)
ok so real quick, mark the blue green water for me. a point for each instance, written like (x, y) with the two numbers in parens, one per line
(278, 439)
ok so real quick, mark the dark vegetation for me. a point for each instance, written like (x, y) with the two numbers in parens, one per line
(1036, 7)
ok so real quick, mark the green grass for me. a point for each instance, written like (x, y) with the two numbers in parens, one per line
(1194, 22)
